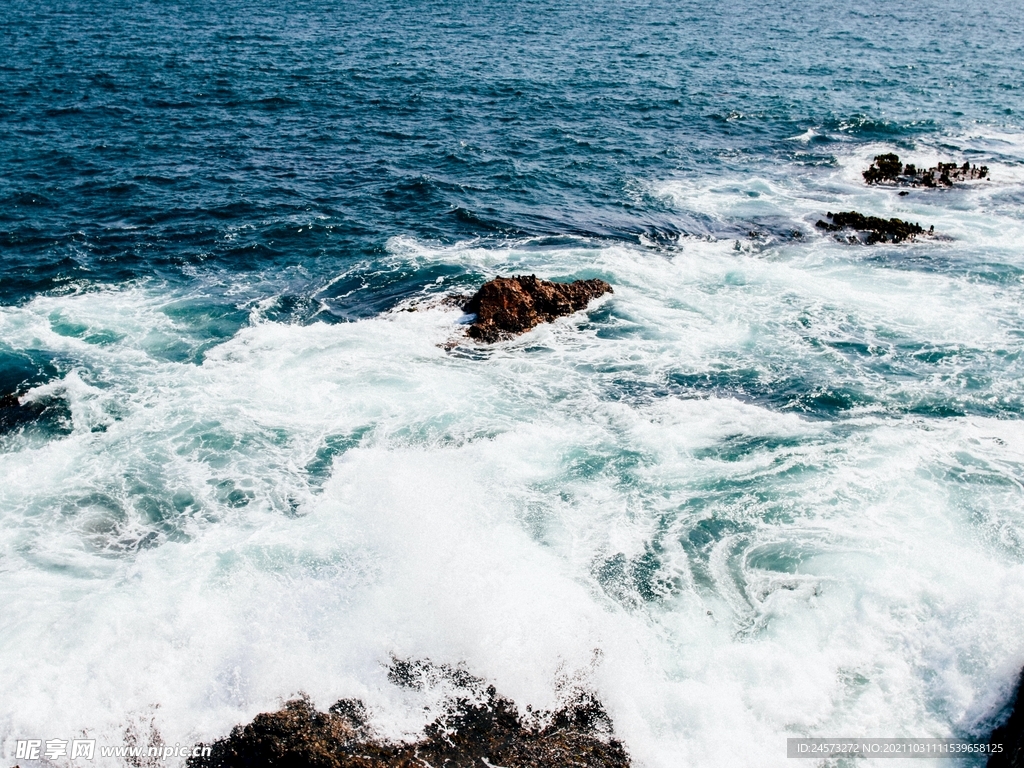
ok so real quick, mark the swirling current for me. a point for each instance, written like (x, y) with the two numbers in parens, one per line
(771, 487)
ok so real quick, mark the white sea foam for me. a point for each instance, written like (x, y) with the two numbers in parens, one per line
(628, 497)
(976, 215)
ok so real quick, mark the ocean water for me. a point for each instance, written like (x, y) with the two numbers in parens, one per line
(773, 486)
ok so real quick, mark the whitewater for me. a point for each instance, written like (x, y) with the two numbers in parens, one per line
(769, 487)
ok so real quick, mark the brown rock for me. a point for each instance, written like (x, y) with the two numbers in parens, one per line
(478, 727)
(508, 306)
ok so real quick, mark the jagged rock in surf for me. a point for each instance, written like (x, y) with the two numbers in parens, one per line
(507, 306)
(887, 169)
(1010, 735)
(879, 230)
(478, 727)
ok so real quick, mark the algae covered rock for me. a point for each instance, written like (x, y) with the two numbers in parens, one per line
(878, 230)
(887, 169)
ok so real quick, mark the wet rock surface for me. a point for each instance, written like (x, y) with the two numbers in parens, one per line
(877, 230)
(1010, 735)
(477, 727)
(507, 306)
(887, 169)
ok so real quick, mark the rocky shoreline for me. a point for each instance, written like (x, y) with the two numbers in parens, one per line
(478, 727)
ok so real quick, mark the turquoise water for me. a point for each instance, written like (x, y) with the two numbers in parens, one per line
(770, 487)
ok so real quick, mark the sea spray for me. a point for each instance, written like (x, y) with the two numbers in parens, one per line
(770, 488)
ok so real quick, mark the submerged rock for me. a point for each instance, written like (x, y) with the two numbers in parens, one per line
(879, 230)
(16, 415)
(887, 169)
(1010, 735)
(478, 727)
(507, 306)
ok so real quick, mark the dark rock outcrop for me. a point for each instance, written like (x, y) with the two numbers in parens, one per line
(51, 411)
(507, 306)
(1010, 735)
(478, 727)
(887, 169)
(879, 230)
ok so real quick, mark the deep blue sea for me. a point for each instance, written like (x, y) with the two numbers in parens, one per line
(773, 486)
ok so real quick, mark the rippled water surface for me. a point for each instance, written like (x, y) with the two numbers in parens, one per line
(770, 487)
